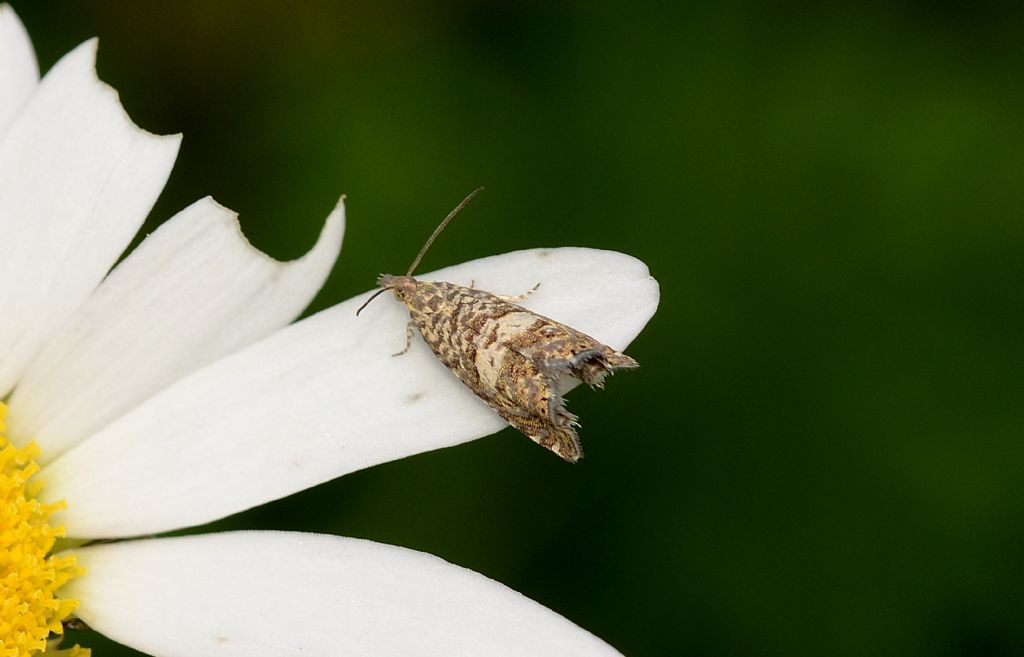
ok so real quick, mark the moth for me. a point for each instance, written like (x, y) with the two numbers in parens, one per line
(515, 360)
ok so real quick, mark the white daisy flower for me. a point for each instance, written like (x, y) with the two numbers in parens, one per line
(172, 389)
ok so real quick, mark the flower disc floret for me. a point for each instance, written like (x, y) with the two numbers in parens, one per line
(30, 577)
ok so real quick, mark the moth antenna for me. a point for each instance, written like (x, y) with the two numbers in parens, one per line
(375, 295)
(440, 227)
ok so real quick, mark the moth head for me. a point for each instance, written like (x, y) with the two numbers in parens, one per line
(403, 288)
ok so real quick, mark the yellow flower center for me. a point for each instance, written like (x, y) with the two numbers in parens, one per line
(30, 611)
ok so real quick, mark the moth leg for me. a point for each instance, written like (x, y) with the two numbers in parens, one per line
(408, 339)
(518, 297)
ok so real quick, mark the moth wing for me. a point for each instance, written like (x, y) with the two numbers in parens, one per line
(560, 440)
(549, 425)
(562, 350)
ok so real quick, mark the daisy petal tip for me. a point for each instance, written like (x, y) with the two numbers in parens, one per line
(11, 24)
(80, 62)
(211, 210)
(329, 238)
(81, 58)
(19, 69)
(334, 226)
(213, 205)
(648, 290)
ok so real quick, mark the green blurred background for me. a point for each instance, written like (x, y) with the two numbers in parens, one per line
(822, 453)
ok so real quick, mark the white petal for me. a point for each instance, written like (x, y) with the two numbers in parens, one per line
(319, 399)
(77, 179)
(193, 291)
(19, 72)
(281, 593)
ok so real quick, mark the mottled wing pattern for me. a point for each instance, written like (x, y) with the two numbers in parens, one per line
(564, 350)
(512, 358)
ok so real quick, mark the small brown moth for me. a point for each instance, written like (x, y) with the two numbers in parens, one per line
(513, 359)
